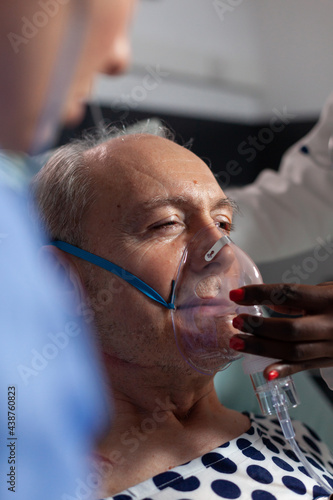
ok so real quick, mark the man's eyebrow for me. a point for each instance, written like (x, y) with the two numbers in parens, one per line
(227, 203)
(161, 201)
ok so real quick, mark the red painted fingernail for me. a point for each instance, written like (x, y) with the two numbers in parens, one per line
(237, 294)
(273, 375)
(236, 344)
(237, 323)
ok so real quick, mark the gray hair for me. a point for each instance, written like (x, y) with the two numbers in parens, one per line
(64, 188)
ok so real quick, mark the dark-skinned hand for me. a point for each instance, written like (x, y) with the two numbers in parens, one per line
(301, 343)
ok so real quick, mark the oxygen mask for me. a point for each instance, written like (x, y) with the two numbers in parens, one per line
(211, 266)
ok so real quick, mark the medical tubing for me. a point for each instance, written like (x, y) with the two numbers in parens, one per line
(309, 469)
(275, 397)
(289, 433)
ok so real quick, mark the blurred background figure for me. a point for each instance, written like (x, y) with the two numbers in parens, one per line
(51, 403)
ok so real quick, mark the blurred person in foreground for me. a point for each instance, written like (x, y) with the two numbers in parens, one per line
(136, 201)
(52, 406)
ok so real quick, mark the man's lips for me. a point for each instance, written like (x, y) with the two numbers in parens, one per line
(208, 287)
(222, 306)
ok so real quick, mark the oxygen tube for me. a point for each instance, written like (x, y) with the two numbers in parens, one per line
(211, 266)
(276, 397)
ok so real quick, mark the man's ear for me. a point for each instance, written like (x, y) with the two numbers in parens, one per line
(67, 274)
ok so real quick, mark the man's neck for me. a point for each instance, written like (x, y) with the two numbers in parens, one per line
(171, 400)
(161, 420)
(139, 390)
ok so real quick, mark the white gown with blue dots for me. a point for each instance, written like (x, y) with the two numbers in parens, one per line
(258, 465)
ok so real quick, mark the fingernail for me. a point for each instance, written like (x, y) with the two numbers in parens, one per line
(237, 323)
(236, 344)
(237, 294)
(273, 375)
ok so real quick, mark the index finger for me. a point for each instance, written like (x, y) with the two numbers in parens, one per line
(296, 298)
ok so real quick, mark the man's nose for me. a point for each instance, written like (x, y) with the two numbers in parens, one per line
(118, 57)
(201, 246)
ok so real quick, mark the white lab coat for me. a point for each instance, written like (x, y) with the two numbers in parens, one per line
(283, 213)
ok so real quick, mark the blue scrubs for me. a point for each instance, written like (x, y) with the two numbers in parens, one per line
(51, 388)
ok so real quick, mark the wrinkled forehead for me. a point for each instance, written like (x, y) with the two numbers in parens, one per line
(141, 166)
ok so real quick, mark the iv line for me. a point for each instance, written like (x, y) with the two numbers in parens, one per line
(282, 413)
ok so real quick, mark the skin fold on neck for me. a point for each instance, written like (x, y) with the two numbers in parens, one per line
(160, 422)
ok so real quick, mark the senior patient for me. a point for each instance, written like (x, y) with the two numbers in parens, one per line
(136, 201)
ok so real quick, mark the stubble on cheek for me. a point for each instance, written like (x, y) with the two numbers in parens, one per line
(135, 333)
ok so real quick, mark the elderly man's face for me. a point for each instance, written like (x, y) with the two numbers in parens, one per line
(154, 196)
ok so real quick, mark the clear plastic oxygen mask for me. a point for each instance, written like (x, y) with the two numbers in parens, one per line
(211, 266)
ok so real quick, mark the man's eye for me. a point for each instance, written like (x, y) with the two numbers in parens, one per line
(226, 225)
(171, 224)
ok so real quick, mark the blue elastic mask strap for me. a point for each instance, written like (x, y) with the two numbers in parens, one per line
(113, 268)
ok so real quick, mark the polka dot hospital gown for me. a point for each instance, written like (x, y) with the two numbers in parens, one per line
(258, 465)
